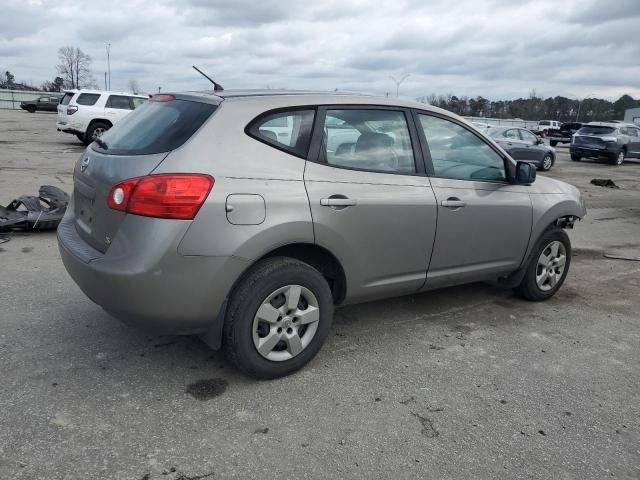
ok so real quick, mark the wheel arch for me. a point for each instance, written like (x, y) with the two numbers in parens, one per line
(319, 258)
(96, 120)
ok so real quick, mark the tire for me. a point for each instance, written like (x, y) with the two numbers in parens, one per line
(245, 329)
(576, 157)
(535, 286)
(618, 159)
(31, 108)
(96, 128)
(80, 137)
(553, 143)
(546, 163)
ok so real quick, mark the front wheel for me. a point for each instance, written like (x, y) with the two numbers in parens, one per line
(548, 266)
(278, 318)
(576, 157)
(31, 108)
(547, 163)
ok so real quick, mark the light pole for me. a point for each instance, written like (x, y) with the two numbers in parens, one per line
(109, 65)
(580, 105)
(399, 82)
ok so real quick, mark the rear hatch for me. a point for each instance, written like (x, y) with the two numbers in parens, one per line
(62, 107)
(595, 136)
(133, 148)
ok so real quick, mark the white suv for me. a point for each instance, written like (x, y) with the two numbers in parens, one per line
(89, 113)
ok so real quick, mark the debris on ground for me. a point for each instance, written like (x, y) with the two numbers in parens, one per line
(604, 182)
(28, 212)
(615, 256)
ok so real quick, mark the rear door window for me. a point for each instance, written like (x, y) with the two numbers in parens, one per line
(87, 98)
(289, 130)
(155, 127)
(368, 139)
(119, 101)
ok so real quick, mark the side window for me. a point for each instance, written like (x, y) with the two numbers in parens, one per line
(528, 137)
(636, 132)
(119, 102)
(290, 131)
(513, 134)
(457, 153)
(43, 99)
(368, 139)
(138, 101)
(87, 98)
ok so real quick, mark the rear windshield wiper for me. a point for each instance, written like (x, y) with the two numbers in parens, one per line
(101, 143)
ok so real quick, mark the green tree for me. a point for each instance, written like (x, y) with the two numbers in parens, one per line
(622, 104)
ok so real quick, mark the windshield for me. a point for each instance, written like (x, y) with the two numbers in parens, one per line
(155, 127)
(596, 130)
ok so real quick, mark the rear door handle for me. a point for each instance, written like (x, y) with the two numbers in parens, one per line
(337, 202)
(453, 202)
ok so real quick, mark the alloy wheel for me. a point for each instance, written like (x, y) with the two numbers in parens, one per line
(285, 323)
(551, 264)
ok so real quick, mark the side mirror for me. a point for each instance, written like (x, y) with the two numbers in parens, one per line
(525, 173)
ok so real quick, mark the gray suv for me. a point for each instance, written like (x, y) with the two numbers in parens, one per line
(245, 217)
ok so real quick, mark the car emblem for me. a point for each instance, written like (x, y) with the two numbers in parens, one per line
(85, 164)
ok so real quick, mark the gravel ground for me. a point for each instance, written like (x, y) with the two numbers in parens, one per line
(466, 382)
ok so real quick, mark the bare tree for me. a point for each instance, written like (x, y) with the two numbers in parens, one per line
(133, 86)
(75, 67)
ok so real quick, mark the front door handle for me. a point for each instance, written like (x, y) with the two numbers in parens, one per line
(335, 201)
(453, 202)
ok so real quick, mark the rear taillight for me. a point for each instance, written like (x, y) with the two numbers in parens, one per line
(71, 109)
(172, 195)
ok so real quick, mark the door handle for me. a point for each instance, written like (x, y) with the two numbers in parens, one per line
(453, 202)
(337, 202)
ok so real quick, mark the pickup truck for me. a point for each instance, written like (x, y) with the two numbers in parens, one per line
(46, 103)
(544, 126)
(564, 133)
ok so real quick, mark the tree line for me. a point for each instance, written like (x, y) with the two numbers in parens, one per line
(535, 107)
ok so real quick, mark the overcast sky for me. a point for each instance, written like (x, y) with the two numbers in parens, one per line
(494, 48)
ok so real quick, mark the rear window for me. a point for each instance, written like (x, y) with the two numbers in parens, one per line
(596, 130)
(155, 127)
(87, 98)
(119, 101)
(66, 99)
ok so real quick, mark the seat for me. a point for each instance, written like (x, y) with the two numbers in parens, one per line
(376, 150)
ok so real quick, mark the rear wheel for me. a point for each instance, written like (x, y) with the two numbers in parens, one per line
(618, 159)
(576, 157)
(278, 318)
(553, 143)
(548, 266)
(547, 163)
(96, 130)
(80, 137)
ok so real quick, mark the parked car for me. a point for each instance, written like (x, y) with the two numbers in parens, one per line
(564, 133)
(191, 217)
(522, 144)
(613, 141)
(483, 127)
(87, 114)
(45, 103)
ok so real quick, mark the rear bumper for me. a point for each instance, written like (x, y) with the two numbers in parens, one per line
(605, 150)
(145, 282)
(66, 127)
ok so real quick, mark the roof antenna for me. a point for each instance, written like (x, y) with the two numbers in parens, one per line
(216, 86)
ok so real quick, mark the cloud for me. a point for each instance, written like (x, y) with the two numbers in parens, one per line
(494, 48)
